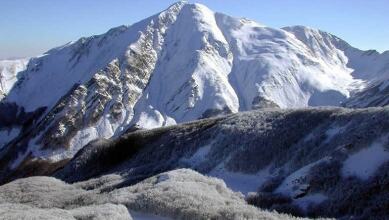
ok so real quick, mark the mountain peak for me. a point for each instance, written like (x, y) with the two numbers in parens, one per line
(179, 65)
(178, 5)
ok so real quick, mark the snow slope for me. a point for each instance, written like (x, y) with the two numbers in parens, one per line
(375, 94)
(366, 162)
(182, 64)
(8, 74)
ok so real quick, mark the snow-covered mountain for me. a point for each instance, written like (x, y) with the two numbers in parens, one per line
(8, 74)
(182, 64)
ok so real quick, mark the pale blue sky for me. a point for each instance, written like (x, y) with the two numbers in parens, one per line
(31, 27)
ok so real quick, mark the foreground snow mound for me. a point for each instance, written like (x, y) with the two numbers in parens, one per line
(12, 211)
(179, 194)
(185, 194)
(43, 192)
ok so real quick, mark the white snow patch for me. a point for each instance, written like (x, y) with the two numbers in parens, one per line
(364, 163)
(384, 85)
(7, 135)
(309, 137)
(197, 157)
(315, 199)
(333, 131)
(8, 74)
(162, 178)
(19, 160)
(294, 183)
(241, 182)
(150, 118)
(146, 216)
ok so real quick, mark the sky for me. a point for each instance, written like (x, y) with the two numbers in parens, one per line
(31, 27)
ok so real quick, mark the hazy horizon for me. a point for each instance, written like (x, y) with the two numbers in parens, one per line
(30, 28)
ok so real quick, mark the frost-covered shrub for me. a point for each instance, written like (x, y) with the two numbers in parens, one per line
(178, 194)
(185, 194)
(272, 137)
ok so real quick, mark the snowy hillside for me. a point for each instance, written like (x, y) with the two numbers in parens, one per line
(8, 74)
(329, 162)
(375, 94)
(317, 162)
(182, 64)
